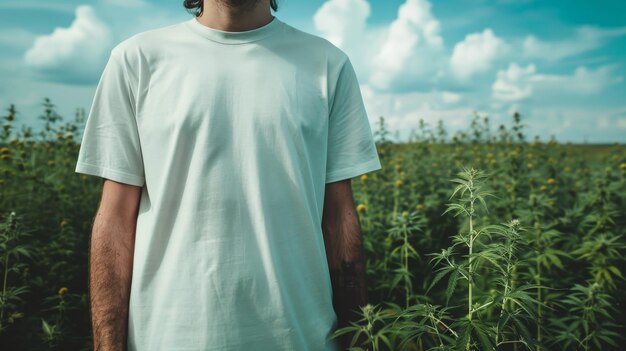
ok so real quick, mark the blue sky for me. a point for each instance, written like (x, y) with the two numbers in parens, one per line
(561, 64)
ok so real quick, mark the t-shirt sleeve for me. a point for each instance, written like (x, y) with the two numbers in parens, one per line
(351, 146)
(110, 145)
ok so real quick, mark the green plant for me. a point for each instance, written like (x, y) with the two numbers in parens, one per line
(589, 324)
(404, 252)
(11, 251)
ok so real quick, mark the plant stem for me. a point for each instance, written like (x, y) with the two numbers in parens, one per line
(4, 284)
(396, 198)
(471, 246)
(539, 299)
(436, 327)
(447, 327)
(506, 287)
(405, 253)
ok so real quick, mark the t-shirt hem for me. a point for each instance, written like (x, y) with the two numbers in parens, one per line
(353, 171)
(104, 172)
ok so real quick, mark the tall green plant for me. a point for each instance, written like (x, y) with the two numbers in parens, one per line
(404, 253)
(11, 251)
(499, 317)
(490, 319)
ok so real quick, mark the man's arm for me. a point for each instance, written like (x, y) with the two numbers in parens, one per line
(110, 264)
(344, 249)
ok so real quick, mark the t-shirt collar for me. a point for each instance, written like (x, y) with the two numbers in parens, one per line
(226, 37)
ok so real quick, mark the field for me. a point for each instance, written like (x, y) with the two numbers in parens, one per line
(485, 239)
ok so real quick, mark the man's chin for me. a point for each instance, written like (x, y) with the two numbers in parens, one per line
(239, 4)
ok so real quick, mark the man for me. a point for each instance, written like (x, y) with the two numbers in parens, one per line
(226, 144)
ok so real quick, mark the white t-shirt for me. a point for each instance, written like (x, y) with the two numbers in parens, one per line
(232, 137)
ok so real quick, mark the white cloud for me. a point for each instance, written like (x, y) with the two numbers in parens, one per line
(342, 21)
(449, 97)
(75, 53)
(402, 111)
(603, 122)
(476, 53)
(513, 84)
(412, 51)
(569, 123)
(518, 83)
(617, 118)
(583, 82)
(585, 39)
(407, 73)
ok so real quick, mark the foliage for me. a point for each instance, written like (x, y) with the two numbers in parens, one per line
(522, 250)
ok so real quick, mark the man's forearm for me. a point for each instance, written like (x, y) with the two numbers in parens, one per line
(110, 271)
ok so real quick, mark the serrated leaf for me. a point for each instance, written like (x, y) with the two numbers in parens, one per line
(452, 280)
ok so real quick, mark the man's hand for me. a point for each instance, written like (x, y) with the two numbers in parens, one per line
(344, 251)
(348, 298)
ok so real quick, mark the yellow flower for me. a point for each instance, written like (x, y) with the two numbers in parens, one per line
(364, 178)
(62, 291)
(51, 163)
(402, 174)
(622, 166)
(399, 183)
(5, 156)
(551, 181)
(543, 188)
(405, 214)
(420, 207)
(530, 165)
(64, 223)
(360, 208)
(567, 169)
(397, 167)
(4, 150)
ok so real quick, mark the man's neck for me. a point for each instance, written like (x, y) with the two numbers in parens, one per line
(217, 14)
